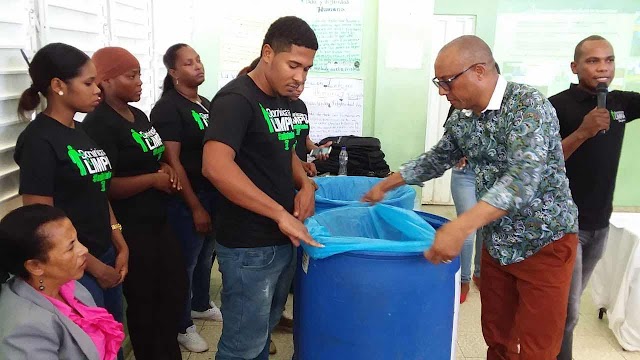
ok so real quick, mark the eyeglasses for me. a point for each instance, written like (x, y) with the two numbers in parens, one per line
(446, 84)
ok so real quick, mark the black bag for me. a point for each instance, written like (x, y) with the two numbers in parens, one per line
(365, 157)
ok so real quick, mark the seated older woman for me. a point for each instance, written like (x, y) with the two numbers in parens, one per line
(45, 313)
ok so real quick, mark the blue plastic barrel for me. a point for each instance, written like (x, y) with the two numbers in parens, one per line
(372, 305)
(337, 191)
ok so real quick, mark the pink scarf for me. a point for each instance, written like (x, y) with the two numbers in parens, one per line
(105, 332)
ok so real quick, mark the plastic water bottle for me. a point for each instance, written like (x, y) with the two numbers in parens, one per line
(344, 159)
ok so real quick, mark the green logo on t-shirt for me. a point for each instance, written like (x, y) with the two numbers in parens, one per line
(267, 117)
(280, 121)
(74, 155)
(300, 122)
(138, 138)
(200, 119)
(149, 141)
(91, 162)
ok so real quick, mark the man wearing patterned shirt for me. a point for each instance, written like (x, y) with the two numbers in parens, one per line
(525, 213)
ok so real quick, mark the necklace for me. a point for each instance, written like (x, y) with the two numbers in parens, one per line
(198, 102)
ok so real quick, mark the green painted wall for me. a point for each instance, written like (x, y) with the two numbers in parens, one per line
(402, 94)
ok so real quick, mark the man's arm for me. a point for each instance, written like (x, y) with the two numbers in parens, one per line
(631, 100)
(594, 122)
(304, 205)
(450, 236)
(219, 166)
(429, 165)
(526, 155)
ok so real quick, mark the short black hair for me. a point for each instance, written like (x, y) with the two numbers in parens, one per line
(577, 53)
(22, 238)
(290, 30)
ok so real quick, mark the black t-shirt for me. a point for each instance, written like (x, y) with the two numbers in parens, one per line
(593, 167)
(300, 117)
(260, 129)
(65, 164)
(181, 120)
(134, 149)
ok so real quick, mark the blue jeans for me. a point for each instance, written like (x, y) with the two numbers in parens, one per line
(255, 284)
(591, 247)
(463, 190)
(197, 250)
(110, 299)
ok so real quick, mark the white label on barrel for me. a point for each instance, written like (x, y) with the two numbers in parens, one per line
(456, 309)
(305, 262)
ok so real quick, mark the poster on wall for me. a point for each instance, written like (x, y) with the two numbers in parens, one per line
(241, 40)
(337, 24)
(335, 106)
(338, 27)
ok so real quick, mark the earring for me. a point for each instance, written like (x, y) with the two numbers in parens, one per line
(41, 287)
(60, 93)
(177, 82)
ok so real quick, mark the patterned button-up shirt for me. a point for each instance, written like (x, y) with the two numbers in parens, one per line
(516, 152)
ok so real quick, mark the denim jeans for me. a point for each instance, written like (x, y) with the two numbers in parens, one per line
(591, 246)
(463, 190)
(255, 284)
(197, 250)
(110, 299)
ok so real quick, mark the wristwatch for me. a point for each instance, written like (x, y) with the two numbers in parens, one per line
(116, 226)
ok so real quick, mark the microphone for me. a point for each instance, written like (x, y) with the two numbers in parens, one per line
(601, 94)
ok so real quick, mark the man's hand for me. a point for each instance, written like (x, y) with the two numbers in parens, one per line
(447, 243)
(295, 230)
(375, 195)
(594, 122)
(310, 168)
(304, 203)
(324, 156)
(377, 192)
(461, 164)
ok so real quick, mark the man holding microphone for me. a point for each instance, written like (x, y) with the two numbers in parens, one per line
(592, 124)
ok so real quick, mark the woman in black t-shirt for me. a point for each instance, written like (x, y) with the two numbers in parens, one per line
(61, 166)
(181, 117)
(156, 287)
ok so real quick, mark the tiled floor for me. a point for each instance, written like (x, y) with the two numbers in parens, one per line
(592, 341)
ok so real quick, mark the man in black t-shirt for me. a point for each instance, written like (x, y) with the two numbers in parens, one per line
(249, 157)
(592, 141)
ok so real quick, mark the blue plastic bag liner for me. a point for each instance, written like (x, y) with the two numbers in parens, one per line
(380, 228)
(336, 191)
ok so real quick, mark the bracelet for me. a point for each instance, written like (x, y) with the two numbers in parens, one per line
(116, 226)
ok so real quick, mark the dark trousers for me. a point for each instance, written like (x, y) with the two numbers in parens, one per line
(591, 247)
(534, 292)
(155, 290)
